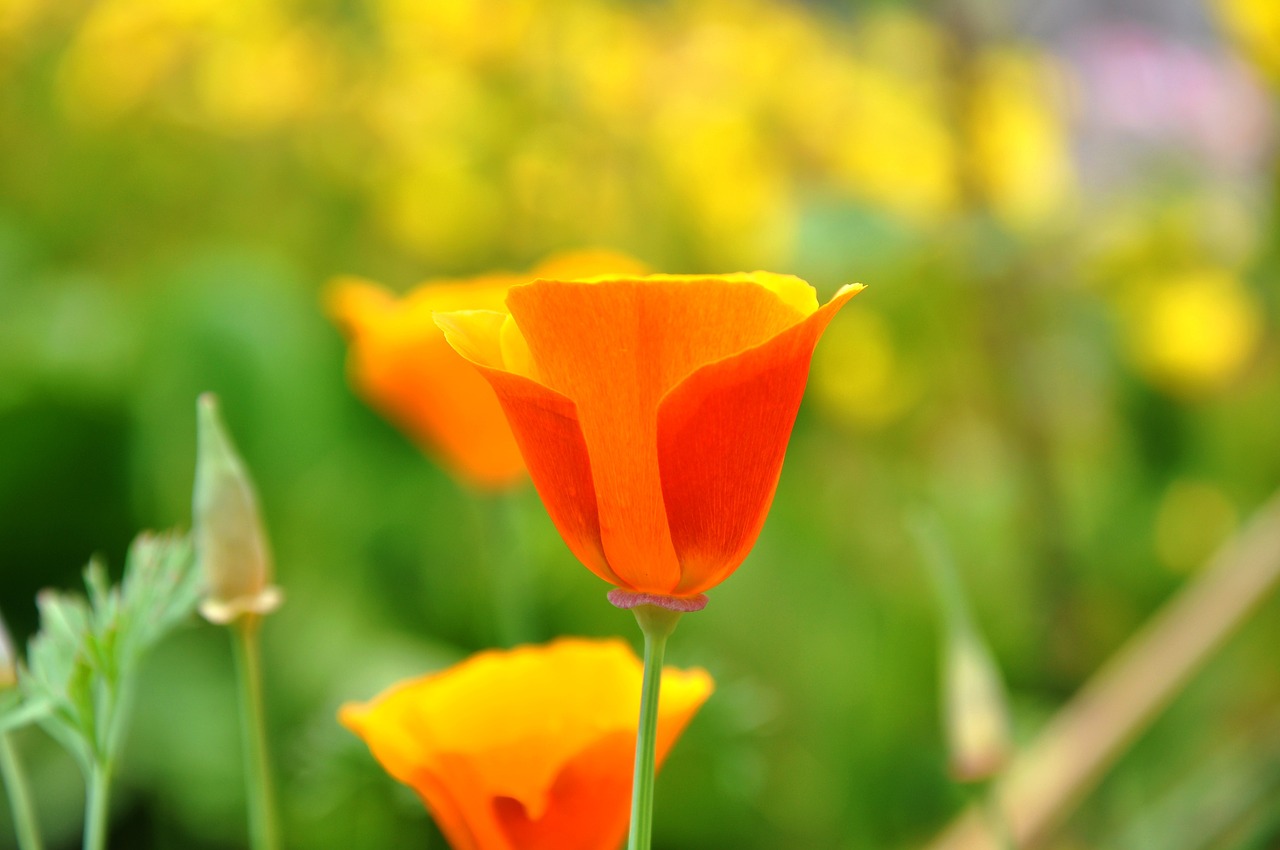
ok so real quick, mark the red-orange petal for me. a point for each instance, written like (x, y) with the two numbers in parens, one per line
(449, 813)
(402, 366)
(616, 347)
(591, 782)
(546, 429)
(549, 434)
(722, 435)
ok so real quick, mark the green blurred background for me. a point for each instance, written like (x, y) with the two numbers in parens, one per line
(1065, 213)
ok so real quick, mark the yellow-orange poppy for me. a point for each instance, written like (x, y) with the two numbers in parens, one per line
(526, 749)
(402, 366)
(653, 412)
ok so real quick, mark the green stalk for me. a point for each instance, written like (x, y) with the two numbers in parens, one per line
(657, 624)
(15, 781)
(97, 807)
(264, 832)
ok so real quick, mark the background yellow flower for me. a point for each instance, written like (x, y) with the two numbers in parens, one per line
(1194, 331)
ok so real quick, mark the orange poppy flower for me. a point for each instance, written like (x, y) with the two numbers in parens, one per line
(653, 413)
(526, 749)
(402, 366)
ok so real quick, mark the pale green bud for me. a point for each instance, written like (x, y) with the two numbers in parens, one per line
(8, 660)
(231, 544)
(977, 714)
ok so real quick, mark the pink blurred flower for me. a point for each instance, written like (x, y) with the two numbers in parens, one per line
(1142, 89)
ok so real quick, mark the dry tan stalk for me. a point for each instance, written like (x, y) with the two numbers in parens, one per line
(1057, 770)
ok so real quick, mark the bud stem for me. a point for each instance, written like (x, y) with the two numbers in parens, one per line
(97, 807)
(657, 624)
(15, 782)
(264, 832)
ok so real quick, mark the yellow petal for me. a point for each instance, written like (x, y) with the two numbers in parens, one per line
(524, 725)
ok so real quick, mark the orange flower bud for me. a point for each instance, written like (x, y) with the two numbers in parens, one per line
(653, 412)
(526, 749)
(230, 541)
(402, 366)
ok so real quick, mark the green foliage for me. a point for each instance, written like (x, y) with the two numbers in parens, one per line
(83, 660)
(16, 712)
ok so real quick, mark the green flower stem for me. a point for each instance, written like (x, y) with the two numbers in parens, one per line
(98, 806)
(264, 832)
(15, 782)
(657, 624)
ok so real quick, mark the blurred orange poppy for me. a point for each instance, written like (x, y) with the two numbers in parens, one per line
(526, 749)
(653, 412)
(402, 366)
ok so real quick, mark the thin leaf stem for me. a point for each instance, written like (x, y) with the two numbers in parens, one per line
(264, 832)
(98, 806)
(25, 824)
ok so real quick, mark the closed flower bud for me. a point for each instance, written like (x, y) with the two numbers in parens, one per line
(230, 542)
(8, 662)
(975, 711)
(977, 716)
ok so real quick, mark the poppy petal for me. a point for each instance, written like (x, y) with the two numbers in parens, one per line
(598, 779)
(722, 435)
(401, 365)
(452, 816)
(646, 335)
(547, 430)
(595, 783)
(504, 774)
(399, 739)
